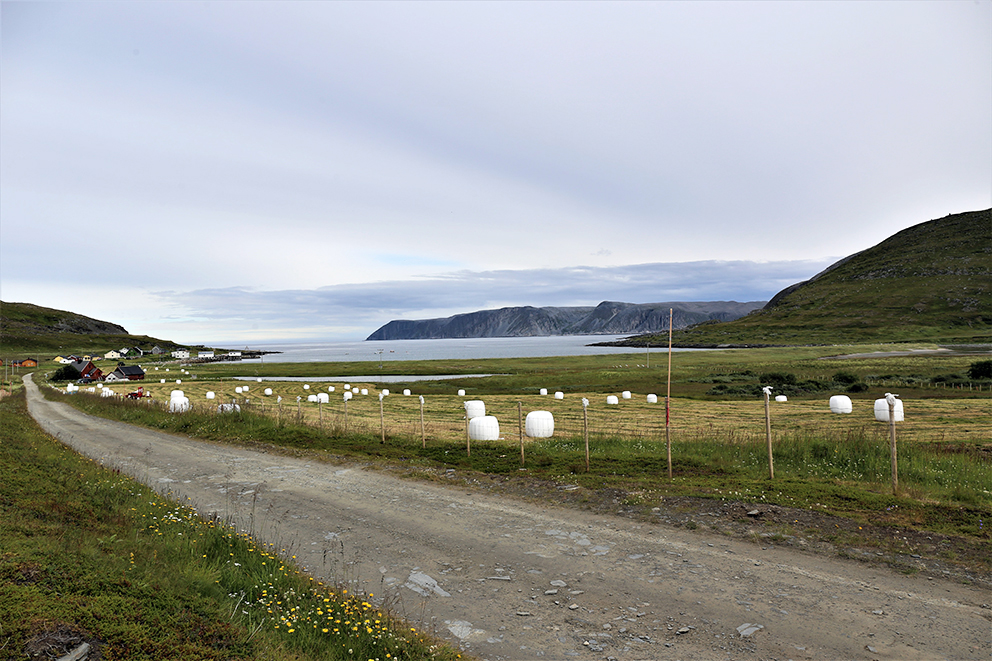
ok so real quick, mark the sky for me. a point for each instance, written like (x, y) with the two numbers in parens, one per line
(255, 172)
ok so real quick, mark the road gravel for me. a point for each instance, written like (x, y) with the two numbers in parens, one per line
(507, 579)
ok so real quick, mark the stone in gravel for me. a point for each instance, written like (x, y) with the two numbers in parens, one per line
(523, 613)
(573, 607)
(559, 584)
(550, 592)
(746, 629)
(682, 631)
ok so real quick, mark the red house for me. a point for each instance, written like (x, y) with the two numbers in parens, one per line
(88, 370)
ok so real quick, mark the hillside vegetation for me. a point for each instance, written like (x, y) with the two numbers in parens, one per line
(31, 328)
(931, 282)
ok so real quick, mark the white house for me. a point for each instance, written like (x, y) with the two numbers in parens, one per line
(234, 354)
(205, 354)
(181, 353)
(113, 354)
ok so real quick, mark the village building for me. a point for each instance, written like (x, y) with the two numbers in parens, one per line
(181, 353)
(25, 362)
(113, 354)
(126, 373)
(87, 370)
(205, 354)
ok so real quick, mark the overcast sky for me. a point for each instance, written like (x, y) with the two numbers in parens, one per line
(251, 171)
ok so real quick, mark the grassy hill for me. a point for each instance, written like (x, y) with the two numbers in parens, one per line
(929, 283)
(31, 329)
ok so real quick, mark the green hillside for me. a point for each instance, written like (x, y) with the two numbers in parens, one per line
(32, 329)
(930, 283)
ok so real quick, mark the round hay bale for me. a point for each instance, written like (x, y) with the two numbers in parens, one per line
(841, 404)
(882, 410)
(652, 399)
(475, 408)
(612, 399)
(539, 424)
(483, 428)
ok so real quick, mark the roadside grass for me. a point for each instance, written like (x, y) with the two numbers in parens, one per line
(88, 555)
(829, 463)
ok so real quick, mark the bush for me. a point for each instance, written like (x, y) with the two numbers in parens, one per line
(65, 373)
(981, 370)
(778, 378)
(858, 387)
(845, 377)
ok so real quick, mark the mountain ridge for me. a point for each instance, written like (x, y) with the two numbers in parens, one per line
(607, 318)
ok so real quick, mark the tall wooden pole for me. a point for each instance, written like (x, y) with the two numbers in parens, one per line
(585, 428)
(468, 435)
(382, 421)
(520, 424)
(892, 442)
(423, 436)
(668, 397)
(768, 431)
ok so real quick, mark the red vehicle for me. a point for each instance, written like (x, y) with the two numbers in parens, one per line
(137, 394)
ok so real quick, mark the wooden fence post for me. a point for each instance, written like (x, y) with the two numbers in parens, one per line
(768, 430)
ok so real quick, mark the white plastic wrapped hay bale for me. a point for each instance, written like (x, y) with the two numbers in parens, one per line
(625, 394)
(348, 395)
(176, 394)
(474, 408)
(258, 380)
(178, 404)
(385, 392)
(330, 388)
(323, 398)
(365, 391)
(92, 390)
(312, 399)
(229, 408)
(178, 381)
(239, 390)
(652, 399)
(559, 395)
(244, 388)
(612, 399)
(106, 392)
(163, 380)
(841, 404)
(347, 386)
(306, 386)
(406, 392)
(483, 428)
(539, 424)
(211, 394)
(781, 398)
(544, 391)
(882, 410)
(461, 393)
(268, 392)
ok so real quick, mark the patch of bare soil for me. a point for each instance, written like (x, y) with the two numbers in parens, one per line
(58, 640)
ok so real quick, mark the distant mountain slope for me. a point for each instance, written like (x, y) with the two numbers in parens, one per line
(929, 282)
(27, 327)
(607, 318)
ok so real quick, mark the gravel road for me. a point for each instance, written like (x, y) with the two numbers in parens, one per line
(509, 580)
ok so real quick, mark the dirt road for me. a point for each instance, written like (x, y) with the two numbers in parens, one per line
(508, 580)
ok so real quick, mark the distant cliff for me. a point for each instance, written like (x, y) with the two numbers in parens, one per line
(607, 318)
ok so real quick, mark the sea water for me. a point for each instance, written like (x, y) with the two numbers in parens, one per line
(449, 348)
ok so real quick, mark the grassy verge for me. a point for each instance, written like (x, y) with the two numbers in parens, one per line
(90, 556)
